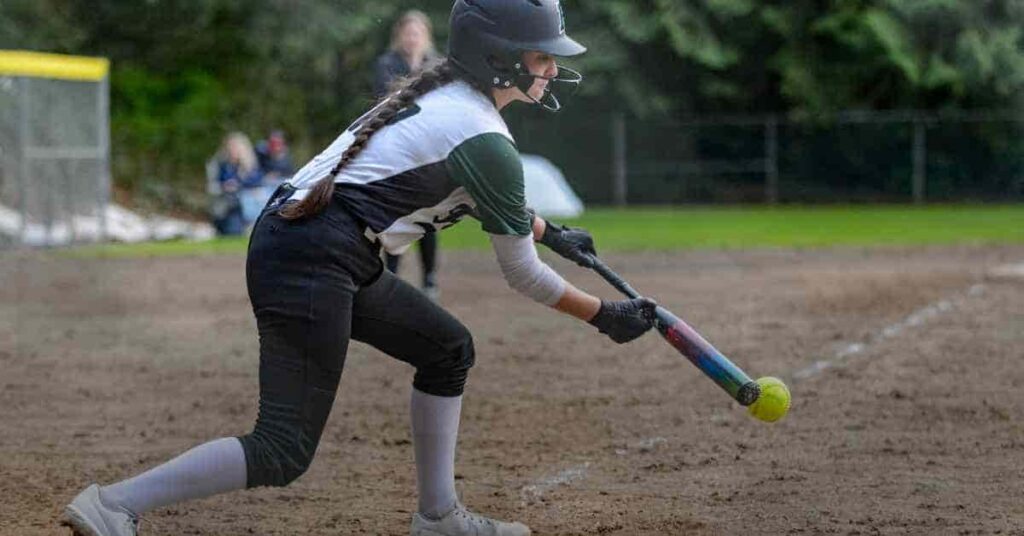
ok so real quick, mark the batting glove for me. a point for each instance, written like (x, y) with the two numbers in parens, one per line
(574, 244)
(625, 320)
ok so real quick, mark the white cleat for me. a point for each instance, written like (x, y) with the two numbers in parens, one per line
(462, 522)
(88, 516)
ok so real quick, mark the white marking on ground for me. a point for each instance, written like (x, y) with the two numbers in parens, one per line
(534, 491)
(566, 476)
(1008, 270)
(915, 319)
(644, 445)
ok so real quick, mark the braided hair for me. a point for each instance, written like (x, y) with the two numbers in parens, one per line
(403, 96)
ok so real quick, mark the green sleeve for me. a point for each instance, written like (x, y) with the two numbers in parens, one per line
(489, 168)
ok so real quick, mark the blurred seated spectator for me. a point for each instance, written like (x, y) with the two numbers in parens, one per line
(275, 160)
(231, 174)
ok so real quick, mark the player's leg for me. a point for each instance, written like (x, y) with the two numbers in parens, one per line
(303, 308)
(398, 319)
(428, 256)
(302, 353)
(391, 262)
(304, 319)
(214, 467)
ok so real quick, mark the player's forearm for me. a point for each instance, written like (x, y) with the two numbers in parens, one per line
(574, 301)
(577, 303)
(525, 273)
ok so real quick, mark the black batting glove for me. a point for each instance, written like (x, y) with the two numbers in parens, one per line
(574, 244)
(625, 320)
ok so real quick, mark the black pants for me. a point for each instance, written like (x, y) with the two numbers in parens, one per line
(314, 284)
(428, 256)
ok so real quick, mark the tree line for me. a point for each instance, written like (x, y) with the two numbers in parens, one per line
(187, 71)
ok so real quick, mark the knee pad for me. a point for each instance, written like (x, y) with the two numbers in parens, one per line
(446, 375)
(273, 460)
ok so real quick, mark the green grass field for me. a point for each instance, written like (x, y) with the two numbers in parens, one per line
(715, 227)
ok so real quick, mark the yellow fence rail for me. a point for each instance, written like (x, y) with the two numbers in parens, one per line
(55, 66)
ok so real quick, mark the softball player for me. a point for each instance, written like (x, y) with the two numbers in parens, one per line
(431, 153)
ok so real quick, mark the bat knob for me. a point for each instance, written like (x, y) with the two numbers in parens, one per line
(748, 393)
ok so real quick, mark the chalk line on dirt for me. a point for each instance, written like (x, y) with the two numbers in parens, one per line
(1010, 271)
(916, 318)
(537, 489)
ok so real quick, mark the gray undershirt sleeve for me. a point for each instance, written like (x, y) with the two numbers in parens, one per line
(524, 271)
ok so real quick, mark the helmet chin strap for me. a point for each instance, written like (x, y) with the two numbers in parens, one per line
(549, 101)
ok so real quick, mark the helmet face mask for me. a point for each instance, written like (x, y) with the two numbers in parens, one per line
(559, 87)
(489, 37)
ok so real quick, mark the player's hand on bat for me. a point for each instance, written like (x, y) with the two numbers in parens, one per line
(625, 320)
(572, 243)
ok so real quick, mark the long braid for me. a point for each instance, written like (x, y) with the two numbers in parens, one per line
(401, 98)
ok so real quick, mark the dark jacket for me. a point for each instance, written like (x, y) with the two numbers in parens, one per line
(391, 66)
(270, 165)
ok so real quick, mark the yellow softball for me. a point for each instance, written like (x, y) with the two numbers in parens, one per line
(773, 402)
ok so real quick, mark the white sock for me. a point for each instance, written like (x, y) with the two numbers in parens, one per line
(209, 469)
(435, 430)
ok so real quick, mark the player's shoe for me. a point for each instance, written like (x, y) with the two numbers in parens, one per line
(88, 516)
(432, 292)
(430, 287)
(462, 522)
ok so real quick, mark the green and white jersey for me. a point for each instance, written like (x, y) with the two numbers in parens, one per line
(447, 156)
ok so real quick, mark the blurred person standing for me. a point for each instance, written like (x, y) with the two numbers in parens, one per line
(411, 51)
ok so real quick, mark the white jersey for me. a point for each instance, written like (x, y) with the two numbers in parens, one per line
(407, 181)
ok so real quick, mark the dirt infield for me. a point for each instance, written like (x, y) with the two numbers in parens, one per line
(905, 366)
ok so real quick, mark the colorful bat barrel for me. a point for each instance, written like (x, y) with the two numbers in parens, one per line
(709, 360)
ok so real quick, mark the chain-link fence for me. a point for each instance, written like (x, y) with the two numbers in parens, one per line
(897, 156)
(54, 148)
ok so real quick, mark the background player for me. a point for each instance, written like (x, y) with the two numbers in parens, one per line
(412, 50)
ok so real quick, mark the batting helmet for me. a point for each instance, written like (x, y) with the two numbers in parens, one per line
(488, 38)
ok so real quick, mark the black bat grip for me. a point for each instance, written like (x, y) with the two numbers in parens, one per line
(613, 278)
